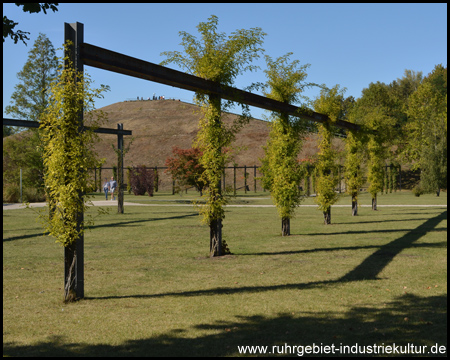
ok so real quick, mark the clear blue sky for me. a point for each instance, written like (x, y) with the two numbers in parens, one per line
(347, 44)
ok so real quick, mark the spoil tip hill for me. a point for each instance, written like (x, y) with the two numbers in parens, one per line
(159, 125)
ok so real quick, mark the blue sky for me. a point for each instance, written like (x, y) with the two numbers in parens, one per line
(347, 44)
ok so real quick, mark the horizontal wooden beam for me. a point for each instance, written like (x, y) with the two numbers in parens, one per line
(109, 60)
(35, 124)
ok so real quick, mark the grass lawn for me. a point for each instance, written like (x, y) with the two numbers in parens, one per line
(151, 290)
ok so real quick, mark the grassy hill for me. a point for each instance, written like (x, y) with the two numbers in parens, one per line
(159, 125)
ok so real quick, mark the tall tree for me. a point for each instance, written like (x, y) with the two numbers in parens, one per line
(218, 58)
(330, 103)
(31, 95)
(28, 101)
(427, 130)
(281, 169)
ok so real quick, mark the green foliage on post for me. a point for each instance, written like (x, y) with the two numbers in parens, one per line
(67, 152)
(329, 103)
(352, 167)
(217, 58)
(281, 169)
(374, 110)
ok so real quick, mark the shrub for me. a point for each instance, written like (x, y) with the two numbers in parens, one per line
(142, 180)
(417, 190)
(11, 193)
(33, 195)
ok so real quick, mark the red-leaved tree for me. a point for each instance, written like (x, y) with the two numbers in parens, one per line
(185, 167)
(142, 180)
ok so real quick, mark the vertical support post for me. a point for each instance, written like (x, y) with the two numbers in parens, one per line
(74, 254)
(96, 189)
(234, 181)
(20, 184)
(223, 176)
(245, 178)
(120, 169)
(156, 182)
(254, 177)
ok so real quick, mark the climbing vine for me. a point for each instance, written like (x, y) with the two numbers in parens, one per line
(282, 172)
(67, 151)
(329, 103)
(217, 58)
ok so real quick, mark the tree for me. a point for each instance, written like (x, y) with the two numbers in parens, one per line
(375, 112)
(330, 103)
(185, 167)
(9, 25)
(281, 169)
(427, 130)
(142, 180)
(29, 100)
(354, 143)
(24, 151)
(67, 157)
(218, 59)
(31, 95)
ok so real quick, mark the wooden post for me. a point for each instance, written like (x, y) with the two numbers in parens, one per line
(254, 177)
(120, 169)
(224, 186)
(74, 254)
(234, 181)
(245, 178)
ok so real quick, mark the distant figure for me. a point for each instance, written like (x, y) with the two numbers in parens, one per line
(138, 97)
(112, 187)
(106, 188)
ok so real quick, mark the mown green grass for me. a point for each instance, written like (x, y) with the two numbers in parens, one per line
(263, 198)
(151, 290)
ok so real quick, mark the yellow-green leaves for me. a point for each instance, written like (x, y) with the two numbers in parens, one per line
(329, 103)
(66, 151)
(281, 170)
(219, 58)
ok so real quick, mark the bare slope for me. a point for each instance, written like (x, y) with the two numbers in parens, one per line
(159, 125)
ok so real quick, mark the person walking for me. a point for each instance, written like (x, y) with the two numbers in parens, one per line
(112, 187)
(106, 188)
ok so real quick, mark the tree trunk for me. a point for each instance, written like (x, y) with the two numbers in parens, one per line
(374, 202)
(215, 238)
(285, 226)
(354, 206)
(327, 216)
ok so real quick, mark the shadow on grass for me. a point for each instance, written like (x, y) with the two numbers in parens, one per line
(367, 270)
(21, 237)
(108, 225)
(125, 223)
(427, 245)
(409, 319)
(375, 263)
